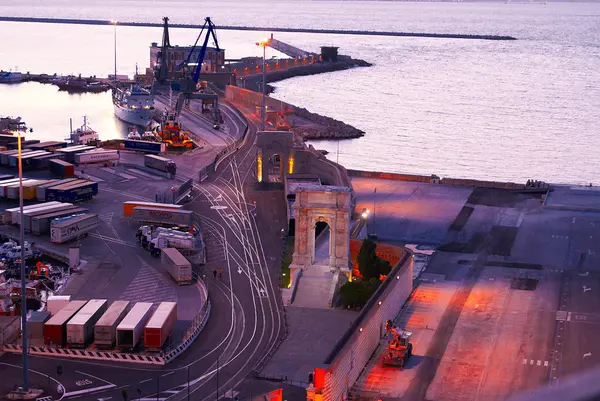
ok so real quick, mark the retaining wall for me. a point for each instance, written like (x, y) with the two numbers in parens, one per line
(343, 365)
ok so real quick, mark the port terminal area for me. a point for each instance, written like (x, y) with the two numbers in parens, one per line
(502, 286)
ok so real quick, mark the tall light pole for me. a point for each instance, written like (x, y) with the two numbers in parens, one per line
(263, 111)
(23, 279)
(114, 22)
(365, 216)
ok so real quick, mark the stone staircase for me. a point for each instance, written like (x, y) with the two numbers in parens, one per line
(314, 288)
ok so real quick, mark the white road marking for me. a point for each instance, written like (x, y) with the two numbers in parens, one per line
(171, 391)
(168, 374)
(88, 390)
(587, 354)
(539, 362)
(545, 363)
(531, 361)
(524, 361)
(146, 381)
(586, 289)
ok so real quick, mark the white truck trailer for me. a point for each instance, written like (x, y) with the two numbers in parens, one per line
(105, 332)
(131, 328)
(80, 329)
(177, 265)
(158, 216)
(68, 228)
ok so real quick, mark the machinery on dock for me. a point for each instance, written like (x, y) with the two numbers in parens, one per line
(161, 70)
(190, 89)
(399, 348)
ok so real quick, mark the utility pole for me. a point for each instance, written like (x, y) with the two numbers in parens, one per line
(263, 110)
(217, 378)
(374, 200)
(23, 280)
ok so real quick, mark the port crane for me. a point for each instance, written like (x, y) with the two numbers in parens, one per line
(191, 74)
(161, 70)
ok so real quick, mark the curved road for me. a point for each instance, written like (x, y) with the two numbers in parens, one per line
(247, 318)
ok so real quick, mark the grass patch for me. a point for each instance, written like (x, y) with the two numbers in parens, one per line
(286, 262)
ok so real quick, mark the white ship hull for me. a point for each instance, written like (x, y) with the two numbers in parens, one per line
(134, 116)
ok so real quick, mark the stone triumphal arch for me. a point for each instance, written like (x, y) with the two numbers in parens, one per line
(322, 204)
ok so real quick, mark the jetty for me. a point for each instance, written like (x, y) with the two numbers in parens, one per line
(260, 28)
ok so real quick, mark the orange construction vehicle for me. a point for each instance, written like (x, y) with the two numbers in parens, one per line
(399, 348)
(174, 136)
(40, 271)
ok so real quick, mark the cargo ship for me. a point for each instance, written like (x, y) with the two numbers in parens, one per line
(134, 105)
(81, 85)
(84, 135)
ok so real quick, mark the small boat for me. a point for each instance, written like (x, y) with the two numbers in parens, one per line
(84, 135)
(134, 133)
(10, 77)
(80, 85)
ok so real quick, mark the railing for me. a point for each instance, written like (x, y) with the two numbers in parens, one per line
(222, 155)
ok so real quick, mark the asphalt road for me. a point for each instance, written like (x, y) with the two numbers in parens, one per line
(247, 317)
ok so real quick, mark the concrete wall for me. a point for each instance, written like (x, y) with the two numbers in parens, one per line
(352, 352)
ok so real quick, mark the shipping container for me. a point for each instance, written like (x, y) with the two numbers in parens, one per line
(49, 146)
(5, 139)
(73, 193)
(4, 177)
(29, 189)
(105, 332)
(13, 160)
(8, 183)
(160, 325)
(68, 228)
(61, 168)
(35, 327)
(157, 216)
(160, 163)
(10, 329)
(4, 156)
(80, 329)
(177, 265)
(130, 205)
(55, 329)
(43, 209)
(10, 215)
(55, 303)
(24, 144)
(41, 224)
(40, 192)
(38, 162)
(97, 156)
(144, 146)
(131, 328)
(70, 151)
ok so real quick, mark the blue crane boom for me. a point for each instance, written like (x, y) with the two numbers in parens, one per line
(210, 30)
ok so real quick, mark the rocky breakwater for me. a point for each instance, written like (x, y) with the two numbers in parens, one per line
(322, 127)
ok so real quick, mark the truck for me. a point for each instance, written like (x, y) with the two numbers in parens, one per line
(49, 146)
(39, 162)
(177, 265)
(29, 189)
(4, 177)
(105, 332)
(44, 209)
(168, 217)
(131, 328)
(61, 168)
(13, 160)
(144, 146)
(40, 191)
(160, 163)
(162, 241)
(72, 227)
(77, 192)
(55, 329)
(160, 326)
(130, 205)
(80, 329)
(10, 216)
(97, 156)
(39, 225)
(399, 348)
(69, 152)
(15, 253)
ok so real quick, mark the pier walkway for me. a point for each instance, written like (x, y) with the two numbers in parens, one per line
(257, 28)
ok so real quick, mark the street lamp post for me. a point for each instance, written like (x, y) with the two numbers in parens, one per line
(114, 22)
(23, 279)
(365, 216)
(263, 43)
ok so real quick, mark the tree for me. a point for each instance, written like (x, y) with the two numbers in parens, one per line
(367, 259)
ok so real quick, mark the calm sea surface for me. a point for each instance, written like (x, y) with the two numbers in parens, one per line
(457, 108)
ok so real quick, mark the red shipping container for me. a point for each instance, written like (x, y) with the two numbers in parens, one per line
(160, 325)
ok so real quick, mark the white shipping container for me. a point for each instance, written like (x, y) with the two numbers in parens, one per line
(55, 303)
(80, 329)
(65, 229)
(130, 330)
(178, 266)
(96, 156)
(11, 215)
(43, 209)
(105, 332)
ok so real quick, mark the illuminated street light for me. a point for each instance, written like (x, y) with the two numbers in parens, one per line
(365, 216)
(263, 43)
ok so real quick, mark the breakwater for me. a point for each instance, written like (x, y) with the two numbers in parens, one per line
(258, 28)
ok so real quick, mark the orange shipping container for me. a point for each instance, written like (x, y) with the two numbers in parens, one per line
(130, 205)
